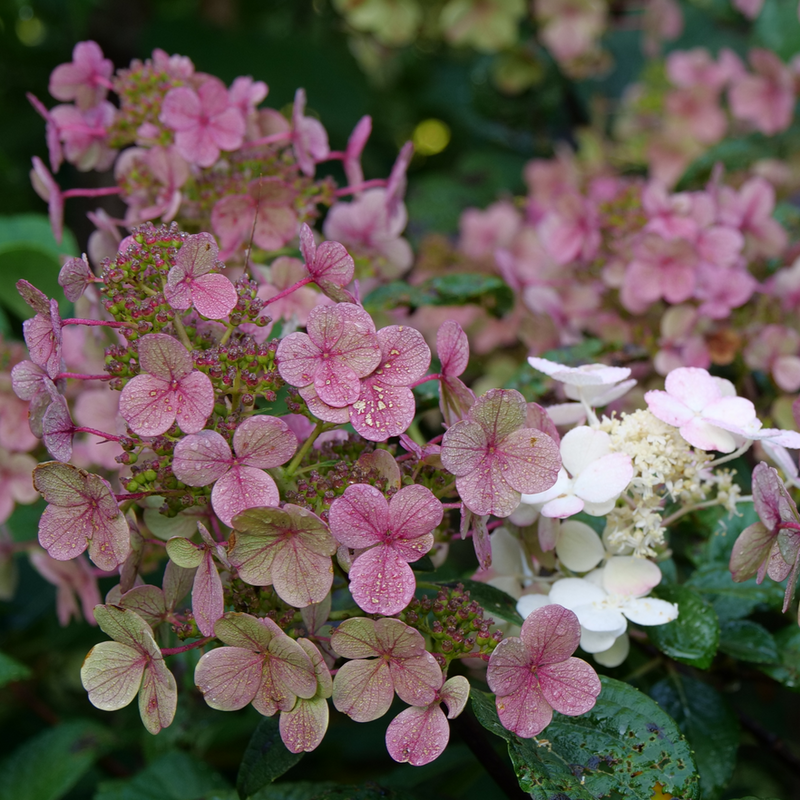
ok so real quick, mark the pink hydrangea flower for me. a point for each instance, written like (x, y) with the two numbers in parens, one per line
(495, 458)
(260, 665)
(775, 349)
(74, 583)
(86, 79)
(167, 389)
(484, 231)
(42, 332)
(84, 135)
(309, 138)
(571, 231)
(330, 265)
(455, 397)
(387, 656)
(205, 121)
(766, 98)
(52, 137)
(340, 348)
(45, 186)
(420, 734)
(239, 481)
(192, 283)
(15, 481)
(385, 406)
(533, 675)
(352, 154)
(82, 512)
(396, 533)
(288, 548)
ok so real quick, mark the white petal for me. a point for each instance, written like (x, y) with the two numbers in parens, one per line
(566, 413)
(507, 553)
(593, 642)
(581, 446)
(579, 548)
(615, 654)
(524, 514)
(573, 592)
(780, 455)
(562, 485)
(602, 397)
(605, 479)
(599, 509)
(650, 611)
(562, 507)
(528, 603)
(601, 620)
(630, 576)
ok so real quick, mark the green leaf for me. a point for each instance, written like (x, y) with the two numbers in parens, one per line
(786, 669)
(493, 600)
(693, 637)
(301, 790)
(49, 765)
(733, 600)
(423, 564)
(34, 229)
(265, 759)
(778, 29)
(625, 744)
(488, 291)
(12, 670)
(708, 723)
(174, 776)
(748, 641)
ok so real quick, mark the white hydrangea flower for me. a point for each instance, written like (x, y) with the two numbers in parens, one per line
(591, 479)
(578, 547)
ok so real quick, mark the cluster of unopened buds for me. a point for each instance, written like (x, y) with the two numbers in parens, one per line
(295, 535)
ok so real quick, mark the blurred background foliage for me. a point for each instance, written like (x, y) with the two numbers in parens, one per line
(476, 118)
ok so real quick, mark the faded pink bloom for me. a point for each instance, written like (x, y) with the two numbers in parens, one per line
(452, 347)
(85, 79)
(775, 349)
(192, 283)
(396, 533)
(681, 343)
(74, 277)
(246, 94)
(366, 227)
(239, 481)
(661, 20)
(115, 672)
(168, 388)
(340, 348)
(750, 209)
(495, 458)
(15, 481)
(288, 548)
(294, 307)
(330, 265)
(385, 405)
(104, 241)
(766, 98)
(750, 8)
(261, 665)
(74, 583)
(387, 657)
(570, 28)
(98, 409)
(52, 137)
(571, 231)
(484, 231)
(309, 137)
(205, 121)
(43, 336)
(420, 734)
(785, 286)
(180, 67)
(721, 289)
(265, 213)
(82, 512)
(45, 186)
(352, 154)
(84, 135)
(696, 67)
(699, 108)
(533, 675)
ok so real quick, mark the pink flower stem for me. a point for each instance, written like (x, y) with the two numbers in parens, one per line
(436, 439)
(272, 139)
(99, 80)
(173, 651)
(336, 155)
(79, 376)
(360, 187)
(87, 129)
(427, 378)
(291, 289)
(217, 532)
(96, 323)
(104, 192)
(107, 436)
(155, 541)
(449, 506)
(496, 524)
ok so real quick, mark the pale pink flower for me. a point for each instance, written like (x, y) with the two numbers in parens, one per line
(750, 209)
(533, 675)
(661, 20)
(54, 151)
(766, 98)
(699, 108)
(352, 154)
(484, 231)
(205, 121)
(309, 138)
(74, 583)
(570, 28)
(750, 8)
(84, 135)
(45, 186)
(571, 231)
(15, 481)
(696, 67)
(85, 79)
(776, 349)
(681, 343)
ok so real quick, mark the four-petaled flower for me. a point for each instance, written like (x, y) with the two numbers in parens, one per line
(396, 532)
(239, 480)
(168, 389)
(534, 675)
(495, 458)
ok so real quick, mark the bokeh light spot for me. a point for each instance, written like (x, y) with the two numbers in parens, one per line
(430, 137)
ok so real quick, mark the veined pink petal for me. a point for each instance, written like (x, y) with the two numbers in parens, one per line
(264, 442)
(201, 458)
(158, 697)
(452, 347)
(214, 296)
(194, 401)
(380, 411)
(499, 412)
(418, 735)
(112, 675)
(414, 511)
(464, 447)
(321, 410)
(148, 405)
(303, 728)
(244, 630)
(485, 489)
(300, 576)
(357, 638)
(405, 356)
(529, 460)
(163, 356)
(570, 687)
(700, 433)
(455, 694)
(417, 679)
(668, 409)
(180, 109)
(208, 601)
(229, 677)
(335, 382)
(363, 689)
(241, 488)
(359, 517)
(551, 633)
(509, 667)
(297, 356)
(695, 387)
(381, 582)
(525, 712)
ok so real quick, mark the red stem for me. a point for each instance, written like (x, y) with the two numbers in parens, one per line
(79, 376)
(173, 651)
(291, 289)
(109, 437)
(103, 192)
(434, 377)
(360, 187)
(272, 139)
(448, 506)
(96, 323)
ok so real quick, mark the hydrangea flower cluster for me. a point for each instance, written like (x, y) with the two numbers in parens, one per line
(288, 482)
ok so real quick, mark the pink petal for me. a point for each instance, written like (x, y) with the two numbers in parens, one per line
(359, 517)
(357, 638)
(452, 347)
(355, 146)
(194, 402)
(414, 511)
(264, 442)
(208, 601)
(464, 447)
(232, 220)
(750, 551)
(551, 633)
(308, 247)
(485, 490)
(229, 677)
(158, 697)
(570, 687)
(363, 689)
(180, 109)
(381, 582)
(499, 412)
(26, 380)
(227, 129)
(148, 405)
(416, 679)
(380, 411)
(198, 255)
(246, 631)
(418, 735)
(693, 386)
(405, 357)
(335, 382)
(297, 357)
(112, 675)
(530, 460)
(110, 542)
(201, 458)
(333, 264)
(74, 277)
(706, 436)
(214, 296)
(43, 336)
(274, 227)
(57, 429)
(323, 411)
(242, 488)
(525, 712)
(303, 728)
(163, 356)
(509, 666)
(300, 576)
(668, 408)
(455, 694)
